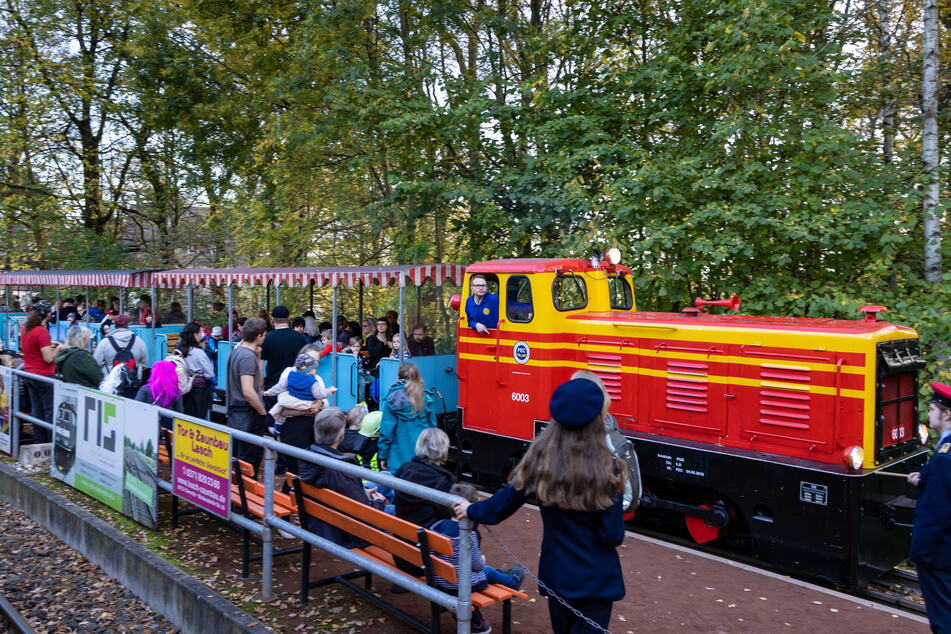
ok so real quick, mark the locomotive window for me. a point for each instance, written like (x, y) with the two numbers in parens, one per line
(568, 292)
(621, 296)
(518, 299)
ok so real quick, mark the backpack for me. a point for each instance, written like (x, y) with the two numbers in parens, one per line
(186, 378)
(123, 379)
(123, 355)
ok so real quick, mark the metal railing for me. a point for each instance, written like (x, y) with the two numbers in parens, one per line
(461, 604)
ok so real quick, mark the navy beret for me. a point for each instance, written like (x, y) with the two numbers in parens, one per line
(576, 402)
(942, 394)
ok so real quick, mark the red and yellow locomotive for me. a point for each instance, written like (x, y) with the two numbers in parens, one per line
(767, 433)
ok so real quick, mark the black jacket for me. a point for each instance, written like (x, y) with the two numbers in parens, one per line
(417, 510)
(339, 482)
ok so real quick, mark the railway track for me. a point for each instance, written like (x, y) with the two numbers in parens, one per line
(897, 587)
(11, 620)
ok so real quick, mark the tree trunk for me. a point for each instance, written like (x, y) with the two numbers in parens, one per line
(929, 144)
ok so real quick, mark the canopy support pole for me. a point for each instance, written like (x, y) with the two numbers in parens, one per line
(191, 299)
(333, 348)
(277, 294)
(360, 307)
(267, 297)
(312, 296)
(231, 321)
(402, 318)
(121, 295)
(154, 294)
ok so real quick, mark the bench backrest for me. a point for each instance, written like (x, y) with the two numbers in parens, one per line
(243, 477)
(172, 341)
(377, 527)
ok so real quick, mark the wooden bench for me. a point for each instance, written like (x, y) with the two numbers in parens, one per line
(247, 497)
(165, 446)
(388, 537)
(172, 338)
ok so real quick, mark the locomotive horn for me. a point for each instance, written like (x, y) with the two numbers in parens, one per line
(733, 303)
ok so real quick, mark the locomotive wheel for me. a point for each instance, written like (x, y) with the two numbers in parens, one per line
(703, 531)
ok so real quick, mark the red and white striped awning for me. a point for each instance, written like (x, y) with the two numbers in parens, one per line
(123, 279)
(401, 275)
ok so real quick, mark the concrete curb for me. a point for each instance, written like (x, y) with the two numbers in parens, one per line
(189, 604)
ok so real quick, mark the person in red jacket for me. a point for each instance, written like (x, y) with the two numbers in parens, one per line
(39, 355)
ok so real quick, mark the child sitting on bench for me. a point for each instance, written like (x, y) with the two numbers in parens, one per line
(482, 574)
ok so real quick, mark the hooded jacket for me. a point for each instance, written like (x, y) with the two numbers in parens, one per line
(401, 426)
(105, 352)
(417, 510)
(337, 481)
(78, 366)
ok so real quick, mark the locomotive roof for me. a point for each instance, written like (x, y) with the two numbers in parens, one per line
(535, 265)
(817, 324)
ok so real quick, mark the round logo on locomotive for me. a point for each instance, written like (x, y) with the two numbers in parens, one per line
(521, 352)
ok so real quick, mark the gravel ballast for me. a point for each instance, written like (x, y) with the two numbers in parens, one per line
(58, 590)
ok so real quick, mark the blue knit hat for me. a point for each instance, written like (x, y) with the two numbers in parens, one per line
(576, 402)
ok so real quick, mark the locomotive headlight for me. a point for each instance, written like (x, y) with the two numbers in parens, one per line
(613, 255)
(923, 434)
(854, 457)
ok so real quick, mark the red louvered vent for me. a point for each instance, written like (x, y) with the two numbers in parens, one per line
(608, 368)
(687, 386)
(786, 405)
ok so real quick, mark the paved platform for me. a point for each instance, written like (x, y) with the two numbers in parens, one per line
(674, 589)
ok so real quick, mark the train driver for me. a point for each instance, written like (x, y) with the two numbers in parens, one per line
(482, 307)
(931, 539)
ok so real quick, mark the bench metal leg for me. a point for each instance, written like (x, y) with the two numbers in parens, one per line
(305, 572)
(436, 615)
(507, 616)
(245, 554)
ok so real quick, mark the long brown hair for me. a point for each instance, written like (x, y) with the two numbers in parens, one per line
(33, 320)
(415, 387)
(571, 468)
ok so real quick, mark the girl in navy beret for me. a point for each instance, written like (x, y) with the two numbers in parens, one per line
(579, 485)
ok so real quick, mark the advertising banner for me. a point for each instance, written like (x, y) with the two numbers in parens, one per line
(140, 463)
(201, 467)
(6, 407)
(107, 447)
(87, 442)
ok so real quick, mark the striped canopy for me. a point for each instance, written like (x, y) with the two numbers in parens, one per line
(318, 276)
(123, 279)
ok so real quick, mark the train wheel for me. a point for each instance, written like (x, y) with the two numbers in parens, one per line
(703, 531)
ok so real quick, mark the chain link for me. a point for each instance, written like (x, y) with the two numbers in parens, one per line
(541, 584)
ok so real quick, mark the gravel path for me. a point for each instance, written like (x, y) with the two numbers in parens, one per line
(57, 590)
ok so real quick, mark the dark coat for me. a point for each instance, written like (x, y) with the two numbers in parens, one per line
(579, 548)
(339, 482)
(78, 366)
(417, 510)
(931, 539)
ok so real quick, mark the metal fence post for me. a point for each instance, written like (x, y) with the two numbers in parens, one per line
(15, 383)
(464, 607)
(267, 537)
(191, 300)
